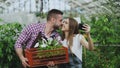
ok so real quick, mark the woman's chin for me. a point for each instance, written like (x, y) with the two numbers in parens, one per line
(62, 30)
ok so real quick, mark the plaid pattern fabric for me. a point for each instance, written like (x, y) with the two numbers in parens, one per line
(29, 34)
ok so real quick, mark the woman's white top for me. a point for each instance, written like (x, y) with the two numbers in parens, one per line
(77, 47)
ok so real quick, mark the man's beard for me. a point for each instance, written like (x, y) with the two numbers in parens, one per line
(56, 27)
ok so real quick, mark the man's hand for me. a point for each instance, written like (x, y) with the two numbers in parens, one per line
(51, 64)
(24, 62)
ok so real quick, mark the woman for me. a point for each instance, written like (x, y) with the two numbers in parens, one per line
(74, 41)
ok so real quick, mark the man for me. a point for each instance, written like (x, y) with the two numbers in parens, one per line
(30, 33)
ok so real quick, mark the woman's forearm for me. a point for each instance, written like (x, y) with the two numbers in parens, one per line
(90, 42)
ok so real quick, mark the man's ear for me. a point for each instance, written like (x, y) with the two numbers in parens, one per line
(53, 19)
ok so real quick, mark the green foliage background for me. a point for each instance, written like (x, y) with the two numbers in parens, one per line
(102, 57)
(8, 35)
(105, 31)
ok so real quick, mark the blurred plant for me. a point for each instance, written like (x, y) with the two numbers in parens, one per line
(105, 29)
(105, 33)
(1, 19)
(48, 45)
(8, 35)
(102, 57)
(42, 15)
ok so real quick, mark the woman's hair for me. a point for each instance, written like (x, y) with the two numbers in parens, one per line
(73, 29)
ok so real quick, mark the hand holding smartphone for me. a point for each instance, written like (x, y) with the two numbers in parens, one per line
(81, 26)
(85, 27)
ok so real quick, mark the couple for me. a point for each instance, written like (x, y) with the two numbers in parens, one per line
(71, 38)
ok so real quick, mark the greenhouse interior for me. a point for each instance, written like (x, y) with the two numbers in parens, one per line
(103, 16)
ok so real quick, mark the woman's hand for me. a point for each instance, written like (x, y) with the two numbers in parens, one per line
(88, 44)
(86, 28)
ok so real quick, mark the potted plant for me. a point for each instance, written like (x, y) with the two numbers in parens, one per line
(45, 51)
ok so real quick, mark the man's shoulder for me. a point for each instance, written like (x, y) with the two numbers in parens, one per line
(34, 25)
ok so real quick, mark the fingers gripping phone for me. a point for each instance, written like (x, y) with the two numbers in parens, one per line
(81, 26)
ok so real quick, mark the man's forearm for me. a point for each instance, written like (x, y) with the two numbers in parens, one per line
(19, 52)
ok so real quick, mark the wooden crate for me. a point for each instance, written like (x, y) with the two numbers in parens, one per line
(34, 60)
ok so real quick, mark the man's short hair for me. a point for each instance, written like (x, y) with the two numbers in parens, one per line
(53, 13)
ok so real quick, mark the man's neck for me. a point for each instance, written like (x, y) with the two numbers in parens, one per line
(48, 29)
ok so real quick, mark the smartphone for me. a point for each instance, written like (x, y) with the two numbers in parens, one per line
(81, 26)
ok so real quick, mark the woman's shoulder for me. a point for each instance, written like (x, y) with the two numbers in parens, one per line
(80, 36)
